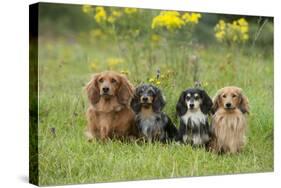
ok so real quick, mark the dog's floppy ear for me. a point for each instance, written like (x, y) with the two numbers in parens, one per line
(207, 103)
(216, 101)
(125, 92)
(181, 105)
(159, 101)
(244, 104)
(93, 90)
(135, 103)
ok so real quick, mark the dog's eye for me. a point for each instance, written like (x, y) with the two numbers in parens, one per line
(188, 98)
(224, 96)
(113, 80)
(101, 80)
(196, 98)
(234, 96)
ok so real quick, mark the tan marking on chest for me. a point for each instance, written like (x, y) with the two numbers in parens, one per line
(147, 112)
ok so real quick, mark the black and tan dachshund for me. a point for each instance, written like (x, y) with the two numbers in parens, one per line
(153, 124)
(193, 108)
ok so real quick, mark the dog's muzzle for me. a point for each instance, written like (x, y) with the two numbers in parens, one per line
(228, 106)
(105, 92)
(191, 106)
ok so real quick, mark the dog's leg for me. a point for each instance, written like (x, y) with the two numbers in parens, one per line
(89, 132)
(195, 132)
(89, 135)
(171, 129)
(181, 132)
(205, 134)
(104, 132)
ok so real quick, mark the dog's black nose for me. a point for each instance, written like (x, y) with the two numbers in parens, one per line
(145, 99)
(191, 105)
(105, 89)
(228, 105)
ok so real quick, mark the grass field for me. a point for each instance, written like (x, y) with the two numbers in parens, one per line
(65, 157)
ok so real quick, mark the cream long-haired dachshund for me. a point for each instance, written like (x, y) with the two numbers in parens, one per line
(228, 126)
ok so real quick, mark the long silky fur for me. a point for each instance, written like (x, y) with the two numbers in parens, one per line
(229, 131)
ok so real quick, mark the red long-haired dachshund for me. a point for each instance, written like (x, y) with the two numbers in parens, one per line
(109, 114)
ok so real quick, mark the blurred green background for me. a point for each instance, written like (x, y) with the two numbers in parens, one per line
(65, 20)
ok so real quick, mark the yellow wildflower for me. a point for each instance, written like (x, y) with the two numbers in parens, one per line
(244, 29)
(126, 72)
(221, 25)
(114, 15)
(243, 25)
(114, 61)
(130, 10)
(158, 82)
(191, 17)
(234, 32)
(100, 15)
(168, 19)
(111, 19)
(242, 22)
(93, 66)
(87, 9)
(245, 37)
(220, 35)
(151, 80)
